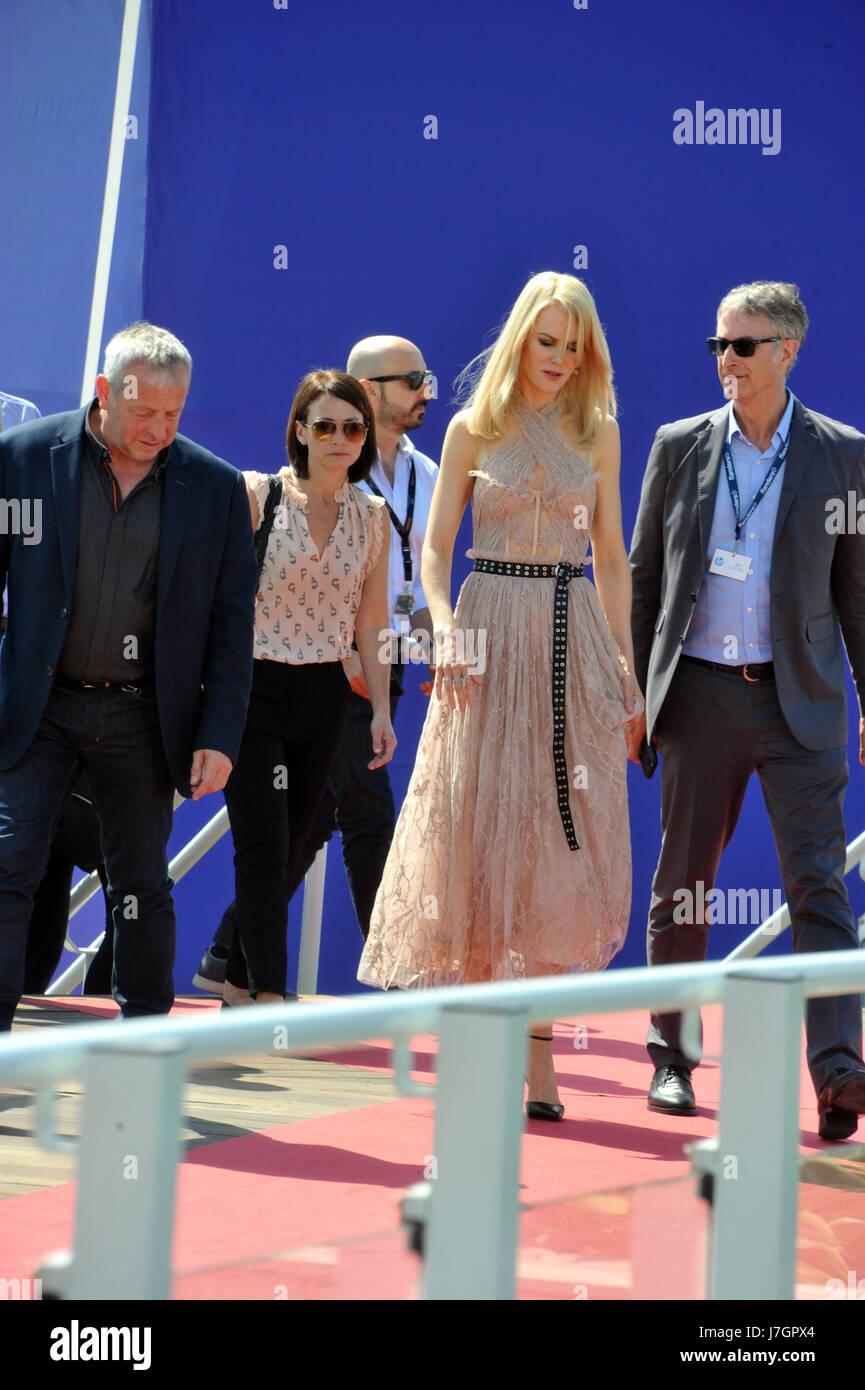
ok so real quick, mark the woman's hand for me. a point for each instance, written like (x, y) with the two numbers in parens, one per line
(635, 724)
(383, 740)
(631, 696)
(354, 675)
(452, 679)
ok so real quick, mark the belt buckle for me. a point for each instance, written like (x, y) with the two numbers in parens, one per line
(752, 680)
(564, 569)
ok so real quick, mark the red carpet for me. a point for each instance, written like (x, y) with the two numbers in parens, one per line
(102, 1007)
(327, 1189)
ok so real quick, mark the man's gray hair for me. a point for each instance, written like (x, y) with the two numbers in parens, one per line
(780, 303)
(146, 345)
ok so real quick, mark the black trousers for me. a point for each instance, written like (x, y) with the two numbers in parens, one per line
(359, 803)
(293, 730)
(716, 729)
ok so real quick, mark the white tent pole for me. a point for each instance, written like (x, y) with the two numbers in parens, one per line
(122, 95)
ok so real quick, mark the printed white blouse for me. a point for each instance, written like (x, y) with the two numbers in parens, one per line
(307, 603)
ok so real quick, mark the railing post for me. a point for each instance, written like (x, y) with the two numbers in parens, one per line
(471, 1242)
(310, 924)
(127, 1172)
(755, 1187)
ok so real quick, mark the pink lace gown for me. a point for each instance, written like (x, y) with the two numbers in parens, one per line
(480, 882)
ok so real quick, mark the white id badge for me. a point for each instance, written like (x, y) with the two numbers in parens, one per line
(730, 566)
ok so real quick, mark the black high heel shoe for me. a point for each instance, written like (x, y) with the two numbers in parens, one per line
(542, 1109)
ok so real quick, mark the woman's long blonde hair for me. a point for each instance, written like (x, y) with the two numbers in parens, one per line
(584, 401)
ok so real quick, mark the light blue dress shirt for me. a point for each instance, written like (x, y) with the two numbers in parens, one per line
(732, 619)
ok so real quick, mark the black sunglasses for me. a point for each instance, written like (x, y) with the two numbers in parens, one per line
(743, 347)
(415, 379)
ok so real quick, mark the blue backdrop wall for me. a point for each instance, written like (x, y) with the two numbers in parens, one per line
(56, 103)
(316, 174)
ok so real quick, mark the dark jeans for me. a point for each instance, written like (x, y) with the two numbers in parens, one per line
(715, 730)
(49, 923)
(357, 802)
(114, 737)
(293, 729)
(75, 843)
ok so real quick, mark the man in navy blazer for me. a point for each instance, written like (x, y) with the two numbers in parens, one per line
(128, 649)
(744, 585)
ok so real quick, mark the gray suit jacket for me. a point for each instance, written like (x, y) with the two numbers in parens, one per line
(817, 579)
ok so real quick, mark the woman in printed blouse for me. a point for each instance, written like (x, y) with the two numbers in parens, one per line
(323, 583)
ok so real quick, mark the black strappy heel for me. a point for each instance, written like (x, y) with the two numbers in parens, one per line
(541, 1109)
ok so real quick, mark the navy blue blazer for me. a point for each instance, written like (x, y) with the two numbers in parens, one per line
(205, 589)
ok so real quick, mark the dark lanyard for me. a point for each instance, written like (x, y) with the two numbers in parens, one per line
(764, 486)
(402, 530)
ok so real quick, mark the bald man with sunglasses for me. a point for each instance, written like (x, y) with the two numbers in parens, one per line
(394, 375)
(743, 590)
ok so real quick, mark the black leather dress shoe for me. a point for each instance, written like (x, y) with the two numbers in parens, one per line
(671, 1090)
(839, 1106)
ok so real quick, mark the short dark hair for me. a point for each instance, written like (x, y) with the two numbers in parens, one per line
(329, 382)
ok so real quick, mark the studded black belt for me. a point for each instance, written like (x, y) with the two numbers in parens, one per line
(562, 573)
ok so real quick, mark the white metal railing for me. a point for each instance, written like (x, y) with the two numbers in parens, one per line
(134, 1075)
(774, 925)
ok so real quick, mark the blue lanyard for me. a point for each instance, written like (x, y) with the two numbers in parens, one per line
(767, 482)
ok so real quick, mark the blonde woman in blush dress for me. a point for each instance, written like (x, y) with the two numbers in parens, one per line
(511, 854)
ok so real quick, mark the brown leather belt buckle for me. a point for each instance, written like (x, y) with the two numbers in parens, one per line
(752, 680)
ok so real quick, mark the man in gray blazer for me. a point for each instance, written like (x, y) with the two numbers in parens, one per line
(744, 584)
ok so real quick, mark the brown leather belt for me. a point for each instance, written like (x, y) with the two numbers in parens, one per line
(752, 671)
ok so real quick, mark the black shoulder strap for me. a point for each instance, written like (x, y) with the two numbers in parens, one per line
(265, 525)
